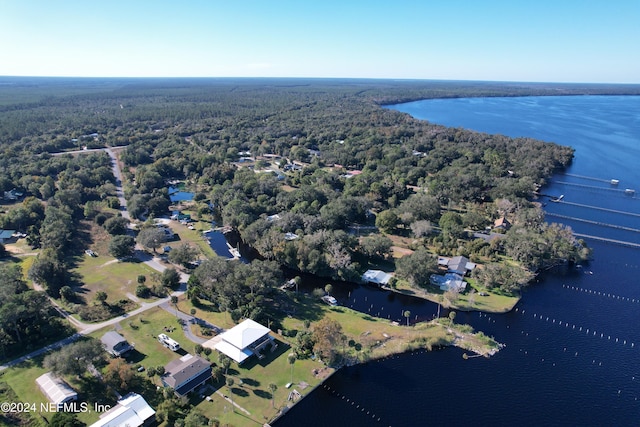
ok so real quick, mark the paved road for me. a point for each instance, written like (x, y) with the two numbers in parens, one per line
(187, 321)
(153, 262)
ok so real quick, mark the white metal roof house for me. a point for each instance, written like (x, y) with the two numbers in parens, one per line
(378, 277)
(56, 390)
(186, 373)
(131, 411)
(244, 340)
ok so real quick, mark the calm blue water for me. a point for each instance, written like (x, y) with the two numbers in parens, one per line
(177, 195)
(573, 345)
(218, 243)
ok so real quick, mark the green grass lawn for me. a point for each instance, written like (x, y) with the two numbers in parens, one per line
(254, 394)
(105, 273)
(141, 331)
(367, 338)
(193, 237)
(22, 380)
(491, 303)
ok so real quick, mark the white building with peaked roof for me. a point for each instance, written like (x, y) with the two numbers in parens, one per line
(244, 340)
(378, 277)
(56, 390)
(131, 411)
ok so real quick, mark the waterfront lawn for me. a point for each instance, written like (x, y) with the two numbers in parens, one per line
(251, 388)
(193, 237)
(493, 302)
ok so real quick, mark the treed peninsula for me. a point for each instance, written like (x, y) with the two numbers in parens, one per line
(305, 178)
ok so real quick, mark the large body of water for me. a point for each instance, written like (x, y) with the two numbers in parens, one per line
(573, 342)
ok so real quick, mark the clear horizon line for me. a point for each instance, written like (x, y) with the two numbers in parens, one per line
(320, 78)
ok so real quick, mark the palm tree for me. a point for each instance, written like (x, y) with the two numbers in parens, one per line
(229, 385)
(328, 288)
(291, 358)
(174, 301)
(273, 389)
(407, 314)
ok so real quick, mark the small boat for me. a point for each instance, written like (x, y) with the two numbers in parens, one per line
(289, 284)
(614, 182)
(557, 199)
(235, 253)
(330, 300)
(630, 191)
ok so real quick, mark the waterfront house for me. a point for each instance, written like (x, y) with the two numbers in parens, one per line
(244, 340)
(449, 282)
(458, 264)
(13, 195)
(6, 235)
(378, 277)
(186, 374)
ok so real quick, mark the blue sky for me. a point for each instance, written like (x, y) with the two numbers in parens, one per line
(508, 40)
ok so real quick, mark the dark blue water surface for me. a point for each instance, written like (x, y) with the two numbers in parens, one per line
(573, 342)
(177, 195)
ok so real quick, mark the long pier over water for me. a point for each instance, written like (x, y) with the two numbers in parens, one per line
(588, 221)
(604, 239)
(591, 187)
(599, 208)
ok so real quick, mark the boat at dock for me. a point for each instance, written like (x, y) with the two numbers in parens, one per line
(330, 300)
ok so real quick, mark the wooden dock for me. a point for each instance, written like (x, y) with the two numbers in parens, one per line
(606, 240)
(588, 221)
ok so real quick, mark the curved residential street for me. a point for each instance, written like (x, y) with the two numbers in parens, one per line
(153, 262)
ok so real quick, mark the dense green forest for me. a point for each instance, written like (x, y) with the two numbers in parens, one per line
(342, 161)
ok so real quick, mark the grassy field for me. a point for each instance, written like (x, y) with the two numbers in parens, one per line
(193, 237)
(254, 403)
(491, 303)
(141, 331)
(22, 380)
(116, 278)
